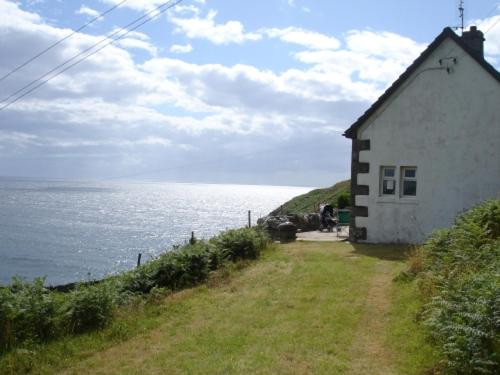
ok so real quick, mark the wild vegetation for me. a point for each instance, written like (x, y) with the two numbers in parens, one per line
(31, 313)
(457, 271)
(309, 202)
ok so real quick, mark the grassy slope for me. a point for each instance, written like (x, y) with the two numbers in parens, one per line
(305, 308)
(309, 202)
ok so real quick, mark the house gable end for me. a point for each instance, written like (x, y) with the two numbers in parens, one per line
(447, 33)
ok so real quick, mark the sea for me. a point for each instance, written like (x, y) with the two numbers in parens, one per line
(68, 231)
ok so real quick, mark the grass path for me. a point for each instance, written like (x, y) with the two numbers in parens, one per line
(369, 351)
(303, 308)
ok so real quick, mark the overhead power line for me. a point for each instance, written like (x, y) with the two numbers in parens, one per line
(147, 17)
(60, 41)
(492, 26)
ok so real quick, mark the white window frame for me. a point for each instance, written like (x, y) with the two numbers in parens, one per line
(383, 178)
(403, 178)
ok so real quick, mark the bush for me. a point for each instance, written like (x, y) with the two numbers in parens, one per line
(458, 277)
(343, 200)
(28, 312)
(90, 307)
(244, 243)
(192, 263)
(464, 319)
(177, 269)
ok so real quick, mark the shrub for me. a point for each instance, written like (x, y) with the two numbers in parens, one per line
(7, 318)
(343, 200)
(192, 263)
(28, 311)
(177, 269)
(458, 276)
(244, 243)
(90, 307)
(464, 320)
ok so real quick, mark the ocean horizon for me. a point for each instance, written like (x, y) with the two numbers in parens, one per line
(70, 231)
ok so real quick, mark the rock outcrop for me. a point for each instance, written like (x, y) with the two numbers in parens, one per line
(285, 227)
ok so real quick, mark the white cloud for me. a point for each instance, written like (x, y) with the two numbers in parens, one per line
(383, 44)
(139, 5)
(132, 34)
(85, 10)
(72, 143)
(12, 16)
(131, 43)
(207, 28)
(185, 9)
(376, 58)
(165, 109)
(490, 26)
(149, 5)
(179, 48)
(306, 38)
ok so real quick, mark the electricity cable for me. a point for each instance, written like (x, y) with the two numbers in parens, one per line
(157, 11)
(30, 60)
(492, 26)
(497, 6)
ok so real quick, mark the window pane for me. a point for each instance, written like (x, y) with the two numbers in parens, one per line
(389, 172)
(410, 188)
(410, 172)
(388, 187)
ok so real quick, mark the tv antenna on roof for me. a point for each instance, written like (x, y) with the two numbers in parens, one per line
(461, 10)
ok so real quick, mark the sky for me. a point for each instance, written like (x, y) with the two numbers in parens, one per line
(215, 91)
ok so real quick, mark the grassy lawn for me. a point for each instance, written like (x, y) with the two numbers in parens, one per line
(303, 308)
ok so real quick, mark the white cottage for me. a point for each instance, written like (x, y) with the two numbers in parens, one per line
(429, 147)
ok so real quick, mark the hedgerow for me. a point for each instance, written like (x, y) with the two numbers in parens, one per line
(31, 313)
(458, 271)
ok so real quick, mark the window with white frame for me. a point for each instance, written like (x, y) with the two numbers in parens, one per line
(408, 181)
(387, 180)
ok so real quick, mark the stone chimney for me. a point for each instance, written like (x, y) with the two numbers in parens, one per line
(474, 39)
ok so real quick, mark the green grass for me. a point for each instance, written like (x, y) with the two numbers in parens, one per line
(301, 309)
(405, 334)
(307, 203)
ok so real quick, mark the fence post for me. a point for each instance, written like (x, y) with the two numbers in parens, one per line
(139, 259)
(249, 218)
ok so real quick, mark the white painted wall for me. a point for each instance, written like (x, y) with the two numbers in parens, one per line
(448, 126)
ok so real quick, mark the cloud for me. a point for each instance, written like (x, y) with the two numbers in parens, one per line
(112, 115)
(185, 9)
(178, 48)
(12, 16)
(131, 43)
(206, 28)
(132, 34)
(491, 27)
(138, 5)
(306, 38)
(85, 10)
(371, 57)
